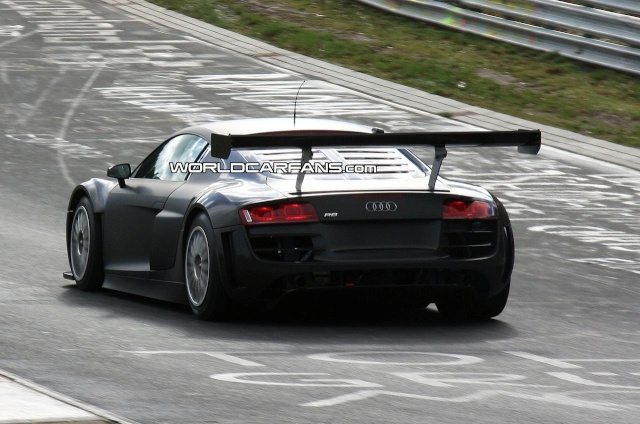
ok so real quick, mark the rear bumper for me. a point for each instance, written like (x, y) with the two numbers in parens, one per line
(432, 269)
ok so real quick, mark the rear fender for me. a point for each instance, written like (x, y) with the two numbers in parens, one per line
(222, 212)
(507, 240)
(502, 212)
(214, 205)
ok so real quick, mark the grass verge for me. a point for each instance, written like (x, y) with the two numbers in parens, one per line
(542, 87)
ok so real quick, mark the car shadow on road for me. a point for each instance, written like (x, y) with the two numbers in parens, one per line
(300, 319)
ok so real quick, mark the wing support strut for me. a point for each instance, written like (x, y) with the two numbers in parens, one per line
(307, 154)
(438, 157)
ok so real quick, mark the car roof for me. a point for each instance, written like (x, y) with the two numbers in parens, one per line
(274, 125)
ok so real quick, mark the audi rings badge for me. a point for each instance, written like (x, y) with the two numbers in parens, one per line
(381, 206)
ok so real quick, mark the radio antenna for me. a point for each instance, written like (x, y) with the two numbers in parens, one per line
(295, 103)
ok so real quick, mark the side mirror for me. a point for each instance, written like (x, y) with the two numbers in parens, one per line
(121, 172)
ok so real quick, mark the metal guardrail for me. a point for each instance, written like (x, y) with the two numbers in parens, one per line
(611, 55)
(565, 16)
(627, 6)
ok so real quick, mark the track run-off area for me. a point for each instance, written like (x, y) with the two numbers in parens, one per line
(84, 85)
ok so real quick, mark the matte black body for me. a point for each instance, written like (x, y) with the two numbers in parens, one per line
(410, 248)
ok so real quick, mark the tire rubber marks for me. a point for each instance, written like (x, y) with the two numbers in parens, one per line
(612, 263)
(60, 145)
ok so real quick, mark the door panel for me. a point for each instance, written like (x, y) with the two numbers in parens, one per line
(129, 218)
(168, 225)
(133, 218)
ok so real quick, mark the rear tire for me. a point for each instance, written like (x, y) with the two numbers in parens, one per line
(205, 292)
(85, 247)
(472, 309)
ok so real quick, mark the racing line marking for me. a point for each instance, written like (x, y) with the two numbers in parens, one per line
(234, 359)
(303, 382)
(579, 380)
(555, 398)
(554, 362)
(457, 359)
(480, 386)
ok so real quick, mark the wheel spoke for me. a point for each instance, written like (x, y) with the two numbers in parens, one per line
(85, 223)
(197, 266)
(80, 243)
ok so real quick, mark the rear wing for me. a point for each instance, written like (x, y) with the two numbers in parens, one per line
(527, 141)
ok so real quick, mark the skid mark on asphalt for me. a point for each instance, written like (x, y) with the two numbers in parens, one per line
(61, 146)
(64, 128)
(44, 95)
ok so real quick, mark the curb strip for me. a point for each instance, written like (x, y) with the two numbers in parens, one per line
(100, 416)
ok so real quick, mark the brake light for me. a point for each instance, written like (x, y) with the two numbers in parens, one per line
(461, 209)
(279, 214)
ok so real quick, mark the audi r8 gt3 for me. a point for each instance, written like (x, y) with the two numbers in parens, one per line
(227, 215)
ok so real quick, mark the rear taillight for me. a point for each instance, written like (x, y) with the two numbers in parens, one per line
(463, 209)
(279, 214)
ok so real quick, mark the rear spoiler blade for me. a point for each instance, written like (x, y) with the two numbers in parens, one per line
(527, 141)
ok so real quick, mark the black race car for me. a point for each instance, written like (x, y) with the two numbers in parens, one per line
(231, 214)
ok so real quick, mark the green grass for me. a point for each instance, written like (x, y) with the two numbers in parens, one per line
(542, 87)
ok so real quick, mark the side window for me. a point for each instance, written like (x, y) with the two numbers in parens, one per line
(181, 148)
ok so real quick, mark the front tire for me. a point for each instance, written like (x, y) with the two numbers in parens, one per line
(205, 292)
(85, 247)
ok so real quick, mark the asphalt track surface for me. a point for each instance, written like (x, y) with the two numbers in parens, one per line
(78, 97)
